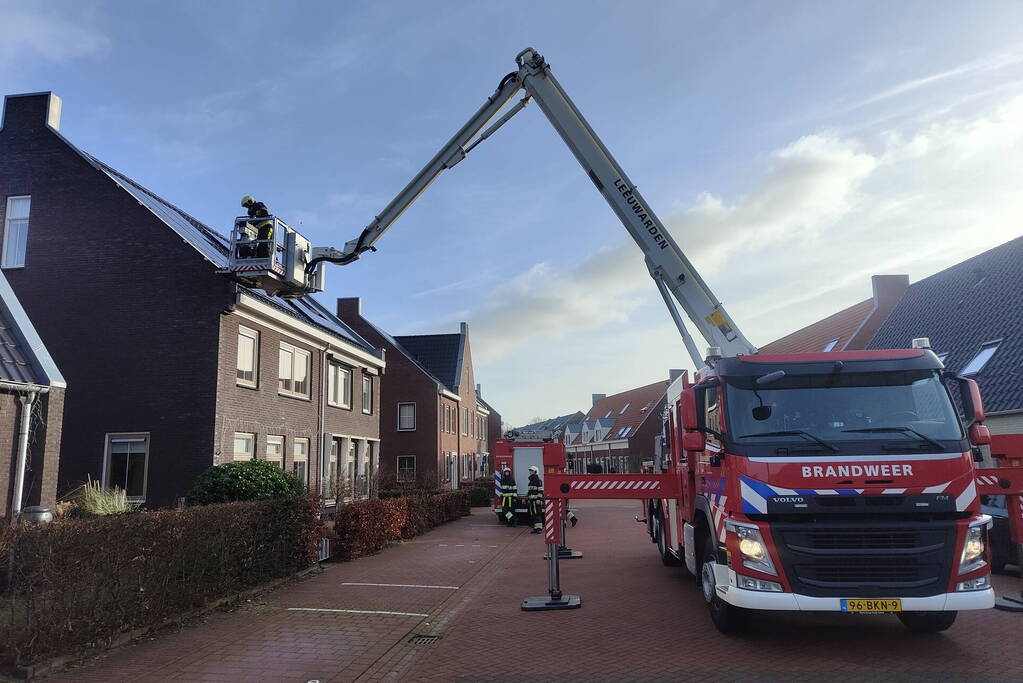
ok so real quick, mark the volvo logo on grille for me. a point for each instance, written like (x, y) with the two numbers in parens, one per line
(788, 499)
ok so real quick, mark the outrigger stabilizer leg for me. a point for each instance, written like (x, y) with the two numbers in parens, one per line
(553, 509)
(564, 552)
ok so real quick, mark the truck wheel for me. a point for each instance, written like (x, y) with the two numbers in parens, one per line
(667, 558)
(927, 622)
(727, 618)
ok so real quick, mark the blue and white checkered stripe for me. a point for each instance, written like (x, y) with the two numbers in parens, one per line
(497, 485)
(755, 494)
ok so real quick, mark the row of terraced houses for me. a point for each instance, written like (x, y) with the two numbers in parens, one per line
(126, 358)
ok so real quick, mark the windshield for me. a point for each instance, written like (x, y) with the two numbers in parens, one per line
(911, 406)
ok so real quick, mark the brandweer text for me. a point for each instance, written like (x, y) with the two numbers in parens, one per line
(859, 471)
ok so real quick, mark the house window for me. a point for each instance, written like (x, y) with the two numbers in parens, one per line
(248, 357)
(406, 417)
(624, 408)
(339, 386)
(127, 460)
(293, 371)
(244, 446)
(300, 464)
(831, 344)
(351, 469)
(465, 421)
(981, 359)
(608, 415)
(406, 468)
(367, 394)
(15, 232)
(275, 450)
(330, 470)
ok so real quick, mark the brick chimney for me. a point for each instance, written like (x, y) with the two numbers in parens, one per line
(888, 291)
(674, 374)
(597, 398)
(32, 111)
(349, 307)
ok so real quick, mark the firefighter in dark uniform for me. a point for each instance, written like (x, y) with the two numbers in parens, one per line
(508, 491)
(535, 500)
(264, 229)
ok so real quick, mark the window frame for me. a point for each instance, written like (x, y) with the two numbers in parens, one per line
(465, 421)
(251, 453)
(254, 335)
(296, 352)
(993, 345)
(399, 469)
(367, 378)
(832, 343)
(108, 440)
(340, 367)
(278, 439)
(413, 427)
(7, 232)
(305, 458)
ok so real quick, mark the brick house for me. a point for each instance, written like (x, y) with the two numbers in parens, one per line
(618, 431)
(172, 367)
(435, 429)
(31, 409)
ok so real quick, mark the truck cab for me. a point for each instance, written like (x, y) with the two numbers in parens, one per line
(839, 481)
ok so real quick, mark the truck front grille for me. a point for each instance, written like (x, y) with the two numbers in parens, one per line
(825, 559)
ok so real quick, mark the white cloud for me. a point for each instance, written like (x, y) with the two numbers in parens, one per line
(828, 212)
(54, 35)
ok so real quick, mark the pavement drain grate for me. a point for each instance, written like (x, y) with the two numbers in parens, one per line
(424, 640)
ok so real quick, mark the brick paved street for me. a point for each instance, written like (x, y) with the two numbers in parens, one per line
(639, 621)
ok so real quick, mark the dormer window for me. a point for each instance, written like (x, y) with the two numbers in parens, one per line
(981, 359)
(831, 345)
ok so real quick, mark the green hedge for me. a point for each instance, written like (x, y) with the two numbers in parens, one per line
(79, 583)
(368, 526)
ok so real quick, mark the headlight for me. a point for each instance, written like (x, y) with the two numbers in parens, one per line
(973, 547)
(752, 547)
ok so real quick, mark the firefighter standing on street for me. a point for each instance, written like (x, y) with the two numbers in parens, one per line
(264, 228)
(535, 500)
(508, 491)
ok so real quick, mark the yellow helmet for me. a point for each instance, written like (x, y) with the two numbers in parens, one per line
(248, 199)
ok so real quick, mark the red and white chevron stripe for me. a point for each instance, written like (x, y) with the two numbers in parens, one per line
(551, 524)
(616, 485)
(987, 479)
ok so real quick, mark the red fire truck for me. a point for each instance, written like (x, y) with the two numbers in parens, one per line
(827, 482)
(831, 481)
(518, 453)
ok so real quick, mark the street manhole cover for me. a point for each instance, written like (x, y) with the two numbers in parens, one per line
(424, 640)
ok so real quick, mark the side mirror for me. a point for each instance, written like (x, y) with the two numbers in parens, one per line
(979, 434)
(973, 407)
(694, 441)
(688, 409)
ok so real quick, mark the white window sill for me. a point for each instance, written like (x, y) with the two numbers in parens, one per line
(301, 397)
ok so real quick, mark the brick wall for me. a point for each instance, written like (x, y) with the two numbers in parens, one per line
(43, 448)
(263, 411)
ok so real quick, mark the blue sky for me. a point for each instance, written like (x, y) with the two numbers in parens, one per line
(793, 148)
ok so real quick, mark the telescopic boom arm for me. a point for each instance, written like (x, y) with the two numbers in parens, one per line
(671, 270)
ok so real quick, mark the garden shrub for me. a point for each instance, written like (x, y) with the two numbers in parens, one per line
(78, 583)
(368, 526)
(244, 481)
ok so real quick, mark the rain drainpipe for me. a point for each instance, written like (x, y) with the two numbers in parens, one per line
(29, 394)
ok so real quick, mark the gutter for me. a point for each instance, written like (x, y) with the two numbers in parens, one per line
(29, 394)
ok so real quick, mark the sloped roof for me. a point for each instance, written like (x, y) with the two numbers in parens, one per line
(962, 308)
(629, 409)
(813, 338)
(214, 247)
(554, 423)
(23, 356)
(437, 353)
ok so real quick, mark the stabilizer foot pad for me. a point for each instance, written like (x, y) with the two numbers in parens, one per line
(1007, 603)
(546, 602)
(568, 554)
